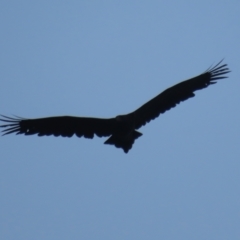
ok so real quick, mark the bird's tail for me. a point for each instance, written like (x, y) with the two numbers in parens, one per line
(122, 141)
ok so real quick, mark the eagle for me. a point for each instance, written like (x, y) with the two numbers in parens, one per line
(121, 130)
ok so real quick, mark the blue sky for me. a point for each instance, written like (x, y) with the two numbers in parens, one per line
(104, 58)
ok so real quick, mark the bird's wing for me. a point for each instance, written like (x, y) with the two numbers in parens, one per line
(64, 126)
(178, 93)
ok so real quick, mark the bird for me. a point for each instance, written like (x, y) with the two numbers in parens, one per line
(121, 130)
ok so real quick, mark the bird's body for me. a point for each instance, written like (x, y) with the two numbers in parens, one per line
(121, 129)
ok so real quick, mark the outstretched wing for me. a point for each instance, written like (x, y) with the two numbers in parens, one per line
(178, 93)
(59, 126)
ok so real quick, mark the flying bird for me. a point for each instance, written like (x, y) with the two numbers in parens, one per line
(121, 130)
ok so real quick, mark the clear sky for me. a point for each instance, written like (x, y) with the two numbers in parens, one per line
(181, 180)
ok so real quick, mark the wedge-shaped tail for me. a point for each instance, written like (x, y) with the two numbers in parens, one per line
(124, 142)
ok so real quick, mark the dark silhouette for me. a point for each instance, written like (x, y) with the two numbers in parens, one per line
(121, 129)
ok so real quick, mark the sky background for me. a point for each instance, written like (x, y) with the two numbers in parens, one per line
(181, 179)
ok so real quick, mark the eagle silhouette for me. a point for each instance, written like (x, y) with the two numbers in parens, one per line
(121, 129)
